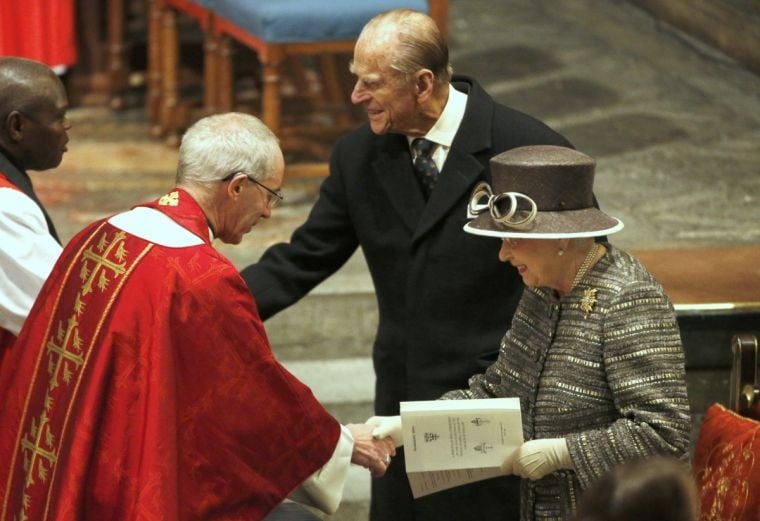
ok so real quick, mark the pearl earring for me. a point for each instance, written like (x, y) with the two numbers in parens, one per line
(560, 252)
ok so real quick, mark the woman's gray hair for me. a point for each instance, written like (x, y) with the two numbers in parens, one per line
(219, 145)
(417, 42)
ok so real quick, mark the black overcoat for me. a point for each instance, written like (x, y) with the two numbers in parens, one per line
(444, 298)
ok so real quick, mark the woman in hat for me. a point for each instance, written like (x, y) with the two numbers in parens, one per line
(593, 352)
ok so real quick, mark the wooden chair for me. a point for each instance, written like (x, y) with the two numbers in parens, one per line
(109, 34)
(280, 32)
(167, 112)
(287, 28)
(744, 395)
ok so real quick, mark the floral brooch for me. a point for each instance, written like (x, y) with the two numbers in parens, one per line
(588, 301)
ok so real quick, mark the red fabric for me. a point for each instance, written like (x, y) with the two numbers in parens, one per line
(6, 341)
(727, 466)
(4, 183)
(167, 403)
(194, 220)
(42, 30)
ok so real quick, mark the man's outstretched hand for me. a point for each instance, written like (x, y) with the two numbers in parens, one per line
(370, 452)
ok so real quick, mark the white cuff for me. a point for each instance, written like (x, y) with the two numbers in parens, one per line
(324, 488)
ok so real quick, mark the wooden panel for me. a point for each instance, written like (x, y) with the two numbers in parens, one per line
(707, 276)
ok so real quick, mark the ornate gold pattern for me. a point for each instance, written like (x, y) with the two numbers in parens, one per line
(105, 248)
(726, 465)
(39, 446)
(170, 199)
(588, 301)
(728, 478)
(61, 359)
(66, 352)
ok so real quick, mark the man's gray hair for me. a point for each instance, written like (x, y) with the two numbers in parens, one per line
(219, 145)
(413, 40)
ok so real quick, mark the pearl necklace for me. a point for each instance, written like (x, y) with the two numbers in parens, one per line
(586, 264)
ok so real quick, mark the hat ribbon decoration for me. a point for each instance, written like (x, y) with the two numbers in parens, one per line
(484, 199)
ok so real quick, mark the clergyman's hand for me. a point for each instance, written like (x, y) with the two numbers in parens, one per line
(370, 452)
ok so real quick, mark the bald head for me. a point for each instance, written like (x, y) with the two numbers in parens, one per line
(25, 84)
(33, 104)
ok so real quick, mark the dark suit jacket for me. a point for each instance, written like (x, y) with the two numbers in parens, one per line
(444, 298)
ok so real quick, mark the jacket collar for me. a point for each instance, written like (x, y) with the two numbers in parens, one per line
(393, 166)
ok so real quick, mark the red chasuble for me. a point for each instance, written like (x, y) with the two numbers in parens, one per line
(144, 388)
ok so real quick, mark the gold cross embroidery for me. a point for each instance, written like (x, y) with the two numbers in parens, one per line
(105, 249)
(67, 337)
(38, 459)
(170, 199)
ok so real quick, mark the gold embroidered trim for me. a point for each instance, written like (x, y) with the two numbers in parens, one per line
(100, 264)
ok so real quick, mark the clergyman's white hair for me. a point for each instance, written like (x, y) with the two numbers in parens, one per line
(219, 145)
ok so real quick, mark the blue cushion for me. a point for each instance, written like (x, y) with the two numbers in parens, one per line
(290, 21)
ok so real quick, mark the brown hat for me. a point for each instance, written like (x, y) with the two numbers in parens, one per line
(539, 192)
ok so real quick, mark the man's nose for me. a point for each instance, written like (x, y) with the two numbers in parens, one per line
(359, 94)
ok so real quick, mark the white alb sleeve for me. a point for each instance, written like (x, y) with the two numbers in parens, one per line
(324, 488)
(27, 255)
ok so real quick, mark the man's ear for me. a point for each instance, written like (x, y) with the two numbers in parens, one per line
(424, 83)
(14, 123)
(235, 185)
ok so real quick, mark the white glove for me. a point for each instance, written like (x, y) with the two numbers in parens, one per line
(537, 458)
(387, 426)
(509, 462)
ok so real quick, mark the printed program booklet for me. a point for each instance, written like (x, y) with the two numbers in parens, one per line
(448, 443)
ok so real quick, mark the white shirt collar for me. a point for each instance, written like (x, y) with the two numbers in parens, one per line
(446, 127)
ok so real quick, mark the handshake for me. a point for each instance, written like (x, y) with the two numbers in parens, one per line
(533, 460)
(369, 451)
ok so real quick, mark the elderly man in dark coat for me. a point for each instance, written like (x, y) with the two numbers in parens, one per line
(443, 297)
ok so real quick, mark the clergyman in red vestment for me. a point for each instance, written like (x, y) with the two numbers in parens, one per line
(143, 386)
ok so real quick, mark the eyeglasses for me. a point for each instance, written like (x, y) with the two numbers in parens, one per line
(273, 198)
(511, 241)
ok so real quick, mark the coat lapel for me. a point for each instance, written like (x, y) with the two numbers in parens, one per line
(393, 169)
(457, 179)
(462, 168)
